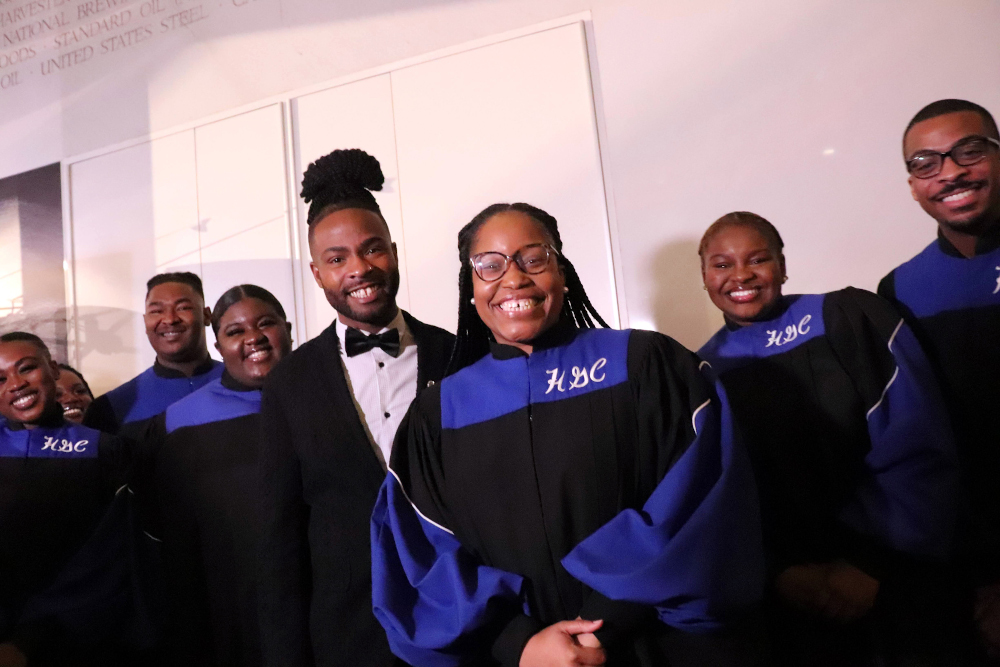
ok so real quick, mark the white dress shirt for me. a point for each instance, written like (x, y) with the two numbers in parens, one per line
(383, 386)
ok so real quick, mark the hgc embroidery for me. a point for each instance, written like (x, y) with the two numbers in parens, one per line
(778, 337)
(64, 446)
(582, 376)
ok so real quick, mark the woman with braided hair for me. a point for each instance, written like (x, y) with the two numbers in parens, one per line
(568, 494)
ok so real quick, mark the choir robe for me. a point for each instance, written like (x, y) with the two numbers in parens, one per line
(847, 431)
(953, 305)
(204, 486)
(597, 477)
(127, 409)
(61, 540)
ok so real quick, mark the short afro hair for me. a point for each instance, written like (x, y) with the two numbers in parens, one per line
(942, 107)
(24, 336)
(183, 277)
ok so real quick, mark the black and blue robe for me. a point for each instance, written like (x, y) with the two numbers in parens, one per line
(597, 477)
(203, 478)
(847, 431)
(61, 595)
(953, 304)
(127, 409)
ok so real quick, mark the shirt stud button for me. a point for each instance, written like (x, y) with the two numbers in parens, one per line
(381, 364)
(387, 415)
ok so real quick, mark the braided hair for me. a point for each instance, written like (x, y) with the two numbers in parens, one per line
(342, 179)
(473, 337)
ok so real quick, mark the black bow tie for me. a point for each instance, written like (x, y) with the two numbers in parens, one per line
(357, 342)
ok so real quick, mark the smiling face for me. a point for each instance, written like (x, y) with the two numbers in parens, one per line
(73, 395)
(175, 320)
(518, 307)
(962, 199)
(252, 338)
(742, 273)
(354, 263)
(27, 382)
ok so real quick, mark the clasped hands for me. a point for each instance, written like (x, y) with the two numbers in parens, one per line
(564, 644)
(837, 590)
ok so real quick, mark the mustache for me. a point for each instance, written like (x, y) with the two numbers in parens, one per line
(958, 185)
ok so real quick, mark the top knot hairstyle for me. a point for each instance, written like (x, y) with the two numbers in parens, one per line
(343, 179)
(472, 340)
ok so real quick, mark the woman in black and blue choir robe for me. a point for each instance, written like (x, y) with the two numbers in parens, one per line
(569, 495)
(202, 465)
(59, 544)
(852, 451)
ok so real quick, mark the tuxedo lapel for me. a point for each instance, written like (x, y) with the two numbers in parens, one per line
(342, 411)
(432, 352)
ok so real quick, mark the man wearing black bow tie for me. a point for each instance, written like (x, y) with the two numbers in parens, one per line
(329, 414)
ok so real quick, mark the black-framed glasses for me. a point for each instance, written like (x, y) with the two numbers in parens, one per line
(965, 153)
(534, 258)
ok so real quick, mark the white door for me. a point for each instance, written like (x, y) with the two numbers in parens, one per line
(509, 122)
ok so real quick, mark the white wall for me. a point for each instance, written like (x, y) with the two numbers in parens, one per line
(789, 108)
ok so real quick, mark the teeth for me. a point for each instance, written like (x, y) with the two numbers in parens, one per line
(517, 304)
(964, 194)
(23, 402)
(69, 411)
(259, 355)
(362, 293)
(742, 293)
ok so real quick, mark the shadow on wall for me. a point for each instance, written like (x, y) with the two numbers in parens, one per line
(49, 324)
(680, 307)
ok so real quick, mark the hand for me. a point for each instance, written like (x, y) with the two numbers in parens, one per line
(557, 646)
(852, 592)
(11, 656)
(804, 587)
(988, 618)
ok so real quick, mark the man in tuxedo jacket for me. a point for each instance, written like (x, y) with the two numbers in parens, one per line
(329, 414)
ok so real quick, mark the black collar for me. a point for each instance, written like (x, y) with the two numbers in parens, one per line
(229, 382)
(988, 242)
(563, 332)
(174, 374)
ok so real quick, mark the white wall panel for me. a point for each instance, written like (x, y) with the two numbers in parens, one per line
(241, 173)
(355, 115)
(510, 122)
(258, 256)
(242, 204)
(114, 210)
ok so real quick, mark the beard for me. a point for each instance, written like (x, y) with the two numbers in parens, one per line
(377, 313)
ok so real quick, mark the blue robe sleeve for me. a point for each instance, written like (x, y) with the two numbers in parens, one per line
(907, 498)
(693, 551)
(434, 599)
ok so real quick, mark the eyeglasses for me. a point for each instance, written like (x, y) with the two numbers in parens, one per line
(490, 266)
(965, 153)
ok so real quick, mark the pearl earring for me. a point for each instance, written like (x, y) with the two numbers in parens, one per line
(472, 301)
(565, 290)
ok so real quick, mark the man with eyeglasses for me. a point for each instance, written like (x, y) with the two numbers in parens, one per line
(950, 293)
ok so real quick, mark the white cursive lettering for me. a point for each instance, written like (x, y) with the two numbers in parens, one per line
(555, 380)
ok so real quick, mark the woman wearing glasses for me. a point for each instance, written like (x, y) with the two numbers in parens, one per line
(851, 449)
(568, 495)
